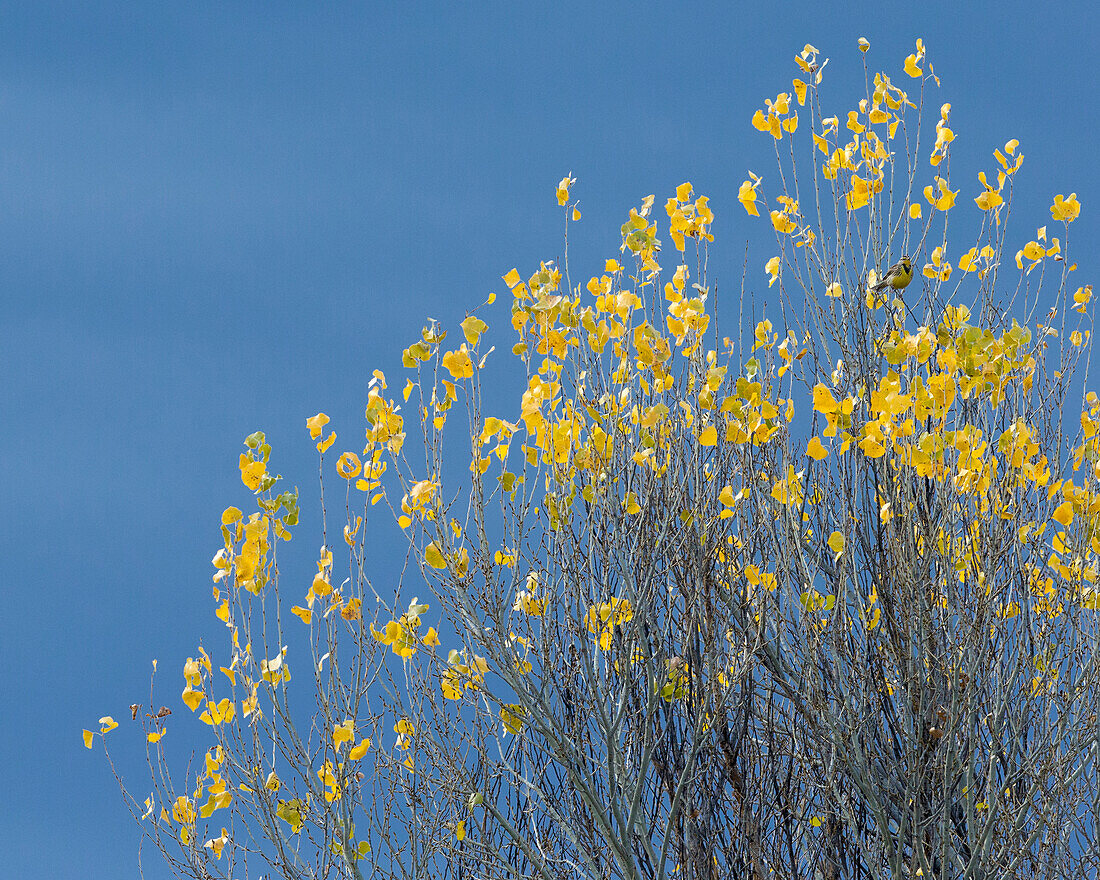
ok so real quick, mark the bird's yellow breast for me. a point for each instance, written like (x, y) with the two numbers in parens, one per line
(903, 277)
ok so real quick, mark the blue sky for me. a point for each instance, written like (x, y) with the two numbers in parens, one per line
(220, 217)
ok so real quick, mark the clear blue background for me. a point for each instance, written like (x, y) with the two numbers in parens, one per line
(220, 217)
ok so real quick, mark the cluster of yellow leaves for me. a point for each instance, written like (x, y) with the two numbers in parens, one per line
(406, 733)
(1035, 252)
(563, 189)
(602, 619)
(343, 732)
(863, 158)
(419, 502)
(385, 426)
(457, 562)
(776, 117)
(992, 199)
(944, 137)
(275, 669)
(789, 490)
(959, 360)
(316, 426)
(747, 194)
(219, 795)
(327, 774)
(214, 784)
(785, 222)
(688, 219)
(107, 724)
(321, 588)
(462, 674)
(913, 62)
(748, 415)
(513, 717)
(687, 321)
(293, 813)
(677, 680)
(1065, 209)
(501, 430)
(193, 693)
(640, 236)
(531, 600)
(941, 197)
(250, 564)
(814, 602)
(871, 614)
(402, 635)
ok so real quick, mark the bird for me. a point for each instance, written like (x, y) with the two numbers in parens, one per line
(897, 276)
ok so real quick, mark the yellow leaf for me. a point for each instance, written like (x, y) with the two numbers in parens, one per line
(512, 278)
(348, 465)
(320, 585)
(155, 736)
(1066, 209)
(88, 736)
(222, 713)
(230, 515)
(433, 557)
(108, 723)
(815, 450)
(458, 363)
(799, 91)
(356, 753)
(342, 733)
(251, 472)
(353, 610)
(563, 189)
(192, 698)
(349, 532)
(472, 328)
(747, 197)
(316, 425)
(772, 268)
(709, 436)
(513, 717)
(783, 223)
(291, 813)
(836, 542)
(1063, 513)
(323, 446)
(305, 614)
(460, 830)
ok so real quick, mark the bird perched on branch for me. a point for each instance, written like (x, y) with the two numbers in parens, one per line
(897, 276)
(896, 279)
